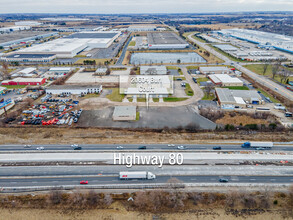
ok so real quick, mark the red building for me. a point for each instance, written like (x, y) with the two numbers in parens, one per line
(24, 81)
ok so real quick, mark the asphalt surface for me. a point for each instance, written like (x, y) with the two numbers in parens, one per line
(101, 180)
(121, 58)
(163, 147)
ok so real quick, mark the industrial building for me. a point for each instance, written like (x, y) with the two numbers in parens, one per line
(14, 28)
(27, 23)
(226, 47)
(70, 46)
(124, 113)
(101, 71)
(140, 28)
(214, 70)
(44, 58)
(263, 39)
(73, 89)
(229, 99)
(165, 40)
(59, 70)
(225, 80)
(27, 72)
(24, 81)
(153, 70)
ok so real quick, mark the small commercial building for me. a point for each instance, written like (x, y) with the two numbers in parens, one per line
(153, 70)
(124, 113)
(214, 70)
(101, 71)
(24, 81)
(27, 72)
(60, 70)
(73, 89)
(237, 98)
(225, 80)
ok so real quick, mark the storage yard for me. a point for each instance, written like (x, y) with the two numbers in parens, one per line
(165, 40)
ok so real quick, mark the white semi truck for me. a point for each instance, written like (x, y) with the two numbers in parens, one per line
(137, 175)
(267, 145)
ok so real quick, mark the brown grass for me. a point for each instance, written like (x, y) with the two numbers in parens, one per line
(54, 135)
(240, 119)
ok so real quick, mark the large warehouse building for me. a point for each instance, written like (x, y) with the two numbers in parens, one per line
(24, 81)
(73, 89)
(70, 46)
(165, 40)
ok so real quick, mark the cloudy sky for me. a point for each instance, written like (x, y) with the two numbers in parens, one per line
(142, 6)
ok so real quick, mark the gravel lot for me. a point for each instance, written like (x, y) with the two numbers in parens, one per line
(154, 118)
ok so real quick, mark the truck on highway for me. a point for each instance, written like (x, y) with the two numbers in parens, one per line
(265, 145)
(137, 175)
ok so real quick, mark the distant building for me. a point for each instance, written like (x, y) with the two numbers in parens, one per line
(124, 113)
(24, 81)
(60, 70)
(214, 70)
(153, 70)
(27, 72)
(27, 23)
(44, 58)
(139, 28)
(101, 71)
(73, 89)
(225, 80)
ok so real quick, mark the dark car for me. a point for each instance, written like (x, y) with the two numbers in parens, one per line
(222, 180)
(142, 147)
(217, 148)
(77, 148)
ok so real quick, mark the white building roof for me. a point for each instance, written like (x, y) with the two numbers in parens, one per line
(224, 78)
(27, 70)
(214, 69)
(153, 70)
(52, 69)
(239, 100)
(124, 111)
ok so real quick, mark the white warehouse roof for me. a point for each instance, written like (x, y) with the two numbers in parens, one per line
(224, 78)
(153, 70)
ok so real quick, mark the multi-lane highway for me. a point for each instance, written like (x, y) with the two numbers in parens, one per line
(158, 147)
(105, 180)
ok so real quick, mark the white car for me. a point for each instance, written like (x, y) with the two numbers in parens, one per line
(40, 148)
(181, 147)
(74, 145)
(171, 145)
(27, 146)
(119, 147)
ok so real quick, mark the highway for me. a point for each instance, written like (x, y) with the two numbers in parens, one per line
(101, 180)
(154, 147)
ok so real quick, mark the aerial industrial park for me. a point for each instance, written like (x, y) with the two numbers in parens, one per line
(147, 116)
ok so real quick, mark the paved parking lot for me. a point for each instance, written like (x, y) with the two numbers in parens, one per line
(153, 118)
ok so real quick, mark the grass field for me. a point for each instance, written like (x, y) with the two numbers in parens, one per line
(137, 116)
(115, 96)
(258, 68)
(178, 77)
(80, 61)
(91, 95)
(175, 68)
(132, 43)
(14, 86)
(208, 97)
(202, 79)
(188, 90)
(173, 99)
(192, 67)
(237, 87)
(269, 95)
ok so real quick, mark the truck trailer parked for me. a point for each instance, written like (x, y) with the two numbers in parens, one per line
(266, 145)
(137, 175)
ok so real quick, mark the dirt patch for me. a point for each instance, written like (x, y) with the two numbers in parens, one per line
(240, 120)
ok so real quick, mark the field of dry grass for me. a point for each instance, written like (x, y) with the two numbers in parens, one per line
(223, 26)
(240, 119)
(119, 136)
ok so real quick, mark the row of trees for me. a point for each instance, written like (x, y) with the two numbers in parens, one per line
(277, 70)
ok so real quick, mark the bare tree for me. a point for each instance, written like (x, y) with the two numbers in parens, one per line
(275, 68)
(209, 87)
(284, 74)
(265, 67)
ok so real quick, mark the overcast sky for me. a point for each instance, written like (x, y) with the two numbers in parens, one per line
(142, 6)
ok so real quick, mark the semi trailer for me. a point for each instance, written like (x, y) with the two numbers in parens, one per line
(137, 175)
(267, 145)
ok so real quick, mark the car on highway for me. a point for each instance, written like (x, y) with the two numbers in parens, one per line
(217, 148)
(27, 146)
(84, 182)
(40, 148)
(260, 148)
(119, 147)
(142, 147)
(77, 148)
(74, 145)
(171, 145)
(223, 180)
(181, 147)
